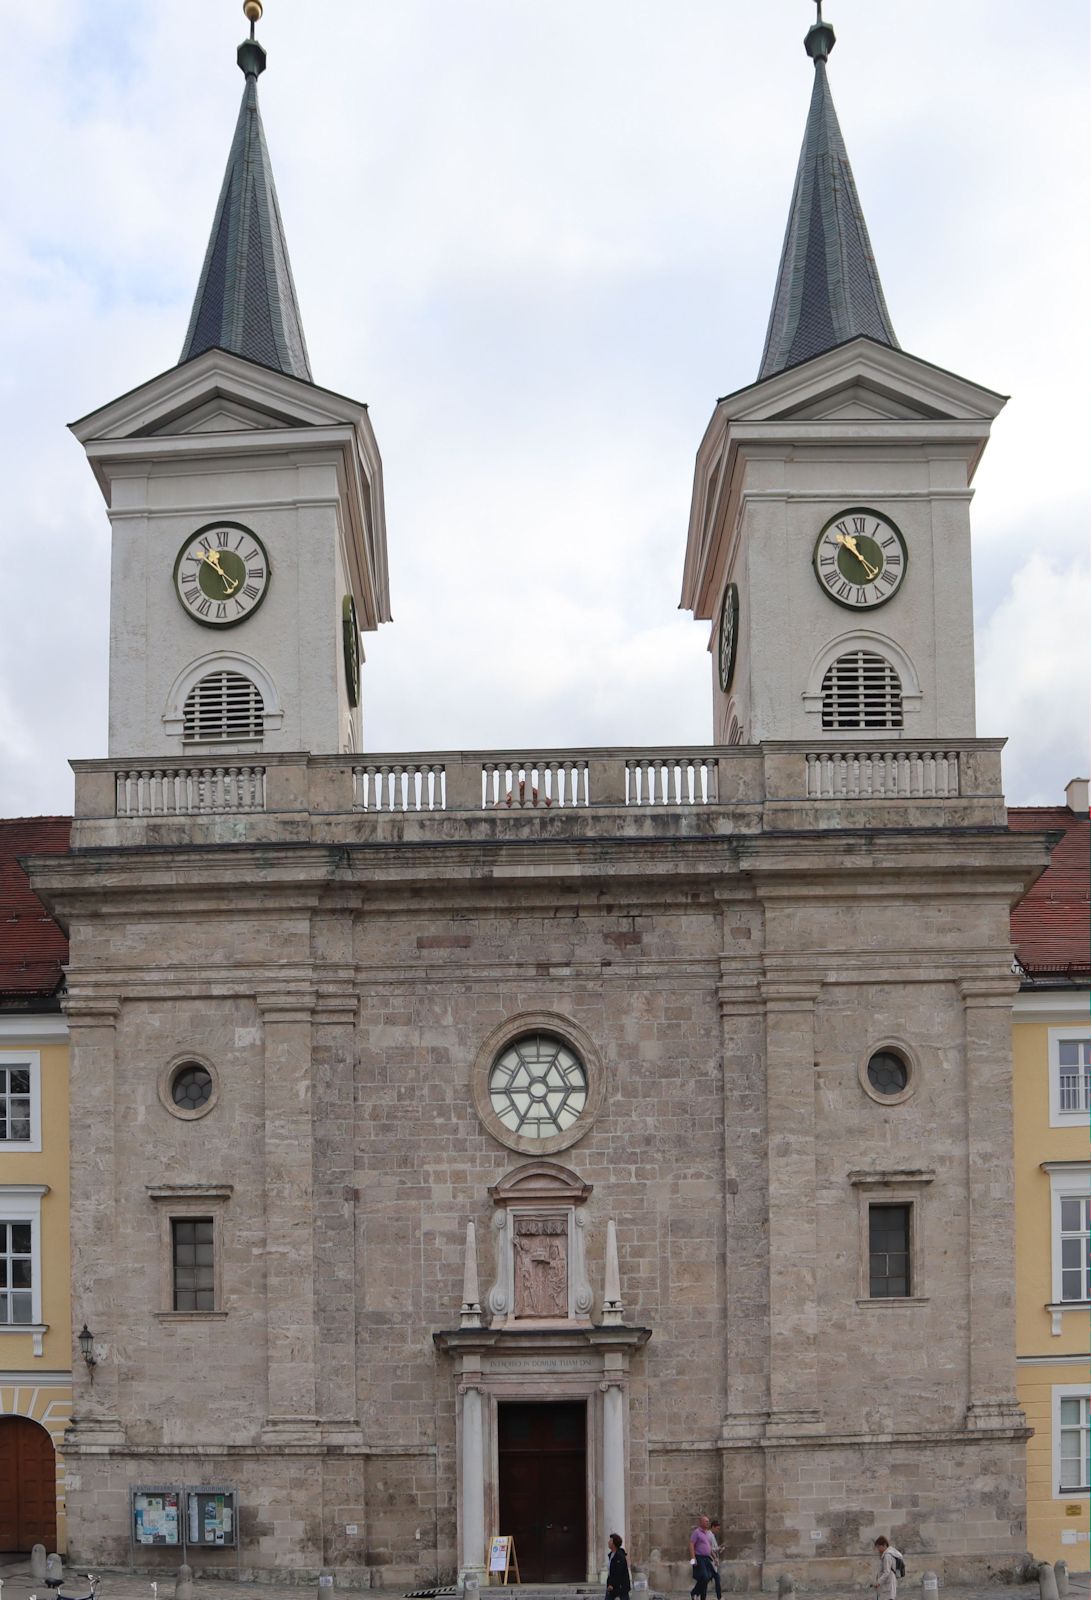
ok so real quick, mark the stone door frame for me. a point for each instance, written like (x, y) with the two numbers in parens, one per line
(579, 1364)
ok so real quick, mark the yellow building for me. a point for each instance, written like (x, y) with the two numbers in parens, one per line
(1052, 1078)
(35, 1320)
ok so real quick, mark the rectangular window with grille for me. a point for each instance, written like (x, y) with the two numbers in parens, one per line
(193, 1264)
(1069, 1077)
(888, 1251)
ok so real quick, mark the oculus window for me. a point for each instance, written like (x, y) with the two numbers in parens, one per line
(538, 1086)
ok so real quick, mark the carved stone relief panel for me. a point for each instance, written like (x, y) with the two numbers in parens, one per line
(541, 1266)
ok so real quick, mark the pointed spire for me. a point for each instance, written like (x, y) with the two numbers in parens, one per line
(828, 287)
(246, 299)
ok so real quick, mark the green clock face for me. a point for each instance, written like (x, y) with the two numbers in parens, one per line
(221, 574)
(350, 628)
(728, 637)
(860, 559)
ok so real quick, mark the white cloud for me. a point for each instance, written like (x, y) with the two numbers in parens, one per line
(1034, 656)
(539, 241)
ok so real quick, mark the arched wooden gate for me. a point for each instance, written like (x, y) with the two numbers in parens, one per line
(28, 1486)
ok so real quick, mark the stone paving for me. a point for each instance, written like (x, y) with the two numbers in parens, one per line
(18, 1584)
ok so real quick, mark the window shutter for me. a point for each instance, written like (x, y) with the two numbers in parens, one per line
(223, 706)
(861, 690)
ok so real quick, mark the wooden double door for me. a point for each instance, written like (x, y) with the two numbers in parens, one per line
(28, 1486)
(542, 1457)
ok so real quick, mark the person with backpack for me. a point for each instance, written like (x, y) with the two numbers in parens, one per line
(891, 1568)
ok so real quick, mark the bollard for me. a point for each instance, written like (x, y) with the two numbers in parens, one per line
(37, 1563)
(471, 1586)
(183, 1583)
(786, 1584)
(930, 1586)
(54, 1569)
(1060, 1573)
(325, 1585)
(1047, 1581)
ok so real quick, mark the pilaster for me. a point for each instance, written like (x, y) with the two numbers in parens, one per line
(986, 1012)
(793, 1217)
(290, 1266)
(96, 1207)
(746, 1188)
(333, 1058)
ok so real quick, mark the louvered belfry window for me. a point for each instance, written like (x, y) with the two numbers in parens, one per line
(861, 690)
(223, 706)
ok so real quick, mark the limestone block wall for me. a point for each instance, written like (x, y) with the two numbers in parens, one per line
(732, 1009)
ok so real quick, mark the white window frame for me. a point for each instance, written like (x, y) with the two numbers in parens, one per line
(1057, 1117)
(1065, 1391)
(22, 1202)
(33, 1060)
(1068, 1180)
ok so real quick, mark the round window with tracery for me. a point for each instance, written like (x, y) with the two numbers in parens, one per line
(538, 1086)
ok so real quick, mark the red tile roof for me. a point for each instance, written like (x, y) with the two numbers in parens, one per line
(1051, 926)
(33, 948)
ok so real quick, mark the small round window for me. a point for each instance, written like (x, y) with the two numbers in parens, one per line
(888, 1074)
(538, 1086)
(188, 1088)
(191, 1087)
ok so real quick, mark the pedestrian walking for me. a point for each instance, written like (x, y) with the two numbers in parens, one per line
(886, 1583)
(700, 1555)
(714, 1556)
(618, 1581)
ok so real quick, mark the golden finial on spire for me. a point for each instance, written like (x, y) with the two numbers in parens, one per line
(252, 10)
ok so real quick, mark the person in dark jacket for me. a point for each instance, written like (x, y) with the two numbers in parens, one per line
(618, 1582)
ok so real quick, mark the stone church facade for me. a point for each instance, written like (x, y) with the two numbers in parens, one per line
(545, 1143)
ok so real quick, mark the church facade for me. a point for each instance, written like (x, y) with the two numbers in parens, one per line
(560, 1142)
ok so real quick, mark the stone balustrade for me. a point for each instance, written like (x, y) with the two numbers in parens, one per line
(735, 789)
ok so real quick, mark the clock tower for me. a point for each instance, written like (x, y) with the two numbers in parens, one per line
(829, 535)
(246, 506)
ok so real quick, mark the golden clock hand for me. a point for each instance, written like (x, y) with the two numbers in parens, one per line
(230, 584)
(849, 543)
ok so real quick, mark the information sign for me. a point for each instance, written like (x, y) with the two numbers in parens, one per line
(502, 1557)
(211, 1517)
(156, 1516)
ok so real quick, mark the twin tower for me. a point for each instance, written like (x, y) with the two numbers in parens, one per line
(829, 533)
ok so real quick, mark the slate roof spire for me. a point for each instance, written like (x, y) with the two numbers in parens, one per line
(246, 299)
(828, 287)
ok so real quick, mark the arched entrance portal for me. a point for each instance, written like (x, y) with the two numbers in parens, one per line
(28, 1486)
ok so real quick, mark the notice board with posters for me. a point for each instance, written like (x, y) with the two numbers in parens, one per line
(156, 1516)
(211, 1518)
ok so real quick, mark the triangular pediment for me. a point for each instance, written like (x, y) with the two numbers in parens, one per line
(859, 402)
(221, 415)
(872, 380)
(217, 392)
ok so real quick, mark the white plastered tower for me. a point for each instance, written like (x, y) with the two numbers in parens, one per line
(829, 536)
(233, 454)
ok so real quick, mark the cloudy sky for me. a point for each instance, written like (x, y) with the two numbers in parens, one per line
(540, 240)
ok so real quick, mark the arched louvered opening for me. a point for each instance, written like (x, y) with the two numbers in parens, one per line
(223, 707)
(861, 690)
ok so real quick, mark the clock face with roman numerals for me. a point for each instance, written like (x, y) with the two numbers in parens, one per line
(222, 574)
(860, 559)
